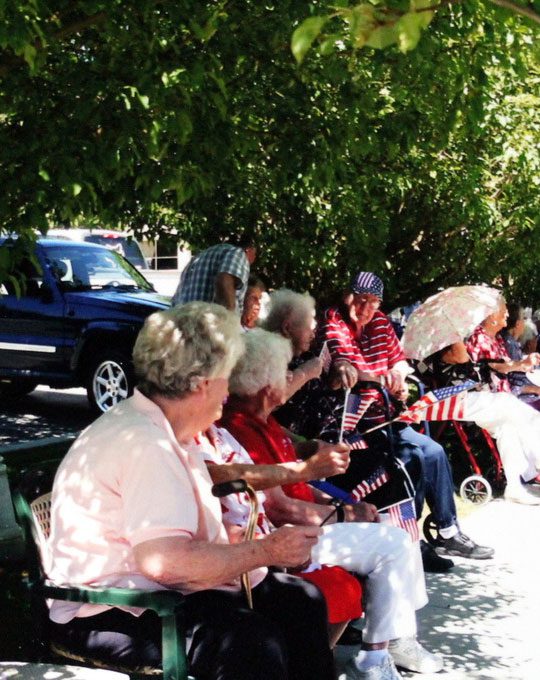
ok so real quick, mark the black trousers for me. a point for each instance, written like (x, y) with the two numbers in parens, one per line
(284, 637)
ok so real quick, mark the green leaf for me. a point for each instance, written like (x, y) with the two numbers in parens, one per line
(144, 100)
(29, 54)
(362, 23)
(382, 37)
(425, 17)
(409, 28)
(328, 44)
(76, 189)
(15, 283)
(304, 36)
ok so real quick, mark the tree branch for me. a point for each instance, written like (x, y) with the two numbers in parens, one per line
(518, 9)
(70, 29)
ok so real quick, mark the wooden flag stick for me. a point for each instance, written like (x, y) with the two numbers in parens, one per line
(342, 428)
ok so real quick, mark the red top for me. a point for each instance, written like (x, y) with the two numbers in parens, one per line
(266, 443)
(374, 349)
(483, 346)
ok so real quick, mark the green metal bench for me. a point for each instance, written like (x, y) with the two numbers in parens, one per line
(32, 499)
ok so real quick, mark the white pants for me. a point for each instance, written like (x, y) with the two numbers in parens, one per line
(392, 568)
(516, 427)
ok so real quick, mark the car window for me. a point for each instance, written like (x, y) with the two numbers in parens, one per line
(124, 245)
(76, 268)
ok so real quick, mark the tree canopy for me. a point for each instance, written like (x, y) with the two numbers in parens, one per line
(421, 164)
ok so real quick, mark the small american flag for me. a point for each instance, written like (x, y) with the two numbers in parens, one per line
(355, 407)
(375, 480)
(403, 515)
(326, 358)
(356, 442)
(445, 403)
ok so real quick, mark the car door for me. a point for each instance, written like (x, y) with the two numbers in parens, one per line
(32, 325)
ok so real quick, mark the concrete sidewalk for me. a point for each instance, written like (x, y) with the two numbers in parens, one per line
(484, 616)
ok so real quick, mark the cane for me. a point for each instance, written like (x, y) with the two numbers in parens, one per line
(239, 486)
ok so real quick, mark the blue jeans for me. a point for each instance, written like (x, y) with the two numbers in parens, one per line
(435, 484)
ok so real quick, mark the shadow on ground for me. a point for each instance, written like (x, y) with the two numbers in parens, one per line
(44, 413)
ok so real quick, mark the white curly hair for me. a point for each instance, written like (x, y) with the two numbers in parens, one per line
(263, 364)
(287, 305)
(178, 348)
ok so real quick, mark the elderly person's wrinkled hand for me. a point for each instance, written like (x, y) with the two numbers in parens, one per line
(312, 368)
(343, 375)
(402, 394)
(361, 512)
(527, 364)
(330, 460)
(290, 546)
(394, 381)
(532, 359)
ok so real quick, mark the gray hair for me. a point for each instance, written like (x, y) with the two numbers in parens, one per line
(286, 305)
(178, 348)
(263, 364)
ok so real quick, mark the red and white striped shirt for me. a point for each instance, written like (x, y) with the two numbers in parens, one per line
(375, 349)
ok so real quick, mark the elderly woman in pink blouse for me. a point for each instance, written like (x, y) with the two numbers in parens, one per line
(132, 507)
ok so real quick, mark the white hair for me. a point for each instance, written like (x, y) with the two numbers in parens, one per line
(264, 363)
(286, 305)
(180, 347)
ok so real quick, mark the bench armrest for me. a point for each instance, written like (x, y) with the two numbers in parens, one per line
(163, 602)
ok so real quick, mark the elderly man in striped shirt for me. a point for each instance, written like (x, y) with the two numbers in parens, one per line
(364, 346)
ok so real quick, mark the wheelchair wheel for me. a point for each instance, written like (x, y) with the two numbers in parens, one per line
(429, 529)
(476, 489)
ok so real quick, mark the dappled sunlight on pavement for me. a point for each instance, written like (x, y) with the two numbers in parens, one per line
(44, 413)
(483, 615)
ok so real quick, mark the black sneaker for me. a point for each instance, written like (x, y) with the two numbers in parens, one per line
(462, 546)
(433, 564)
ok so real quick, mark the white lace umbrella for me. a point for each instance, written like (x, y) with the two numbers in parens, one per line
(447, 317)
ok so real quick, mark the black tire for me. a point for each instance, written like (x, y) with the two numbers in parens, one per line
(110, 380)
(429, 529)
(17, 388)
(476, 489)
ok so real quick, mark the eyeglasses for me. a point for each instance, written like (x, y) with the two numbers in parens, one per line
(372, 302)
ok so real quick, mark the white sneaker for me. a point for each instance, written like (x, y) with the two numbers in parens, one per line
(522, 495)
(384, 671)
(409, 654)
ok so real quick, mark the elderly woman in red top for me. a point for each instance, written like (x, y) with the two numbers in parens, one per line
(486, 342)
(514, 424)
(383, 554)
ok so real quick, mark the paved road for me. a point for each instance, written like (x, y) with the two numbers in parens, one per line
(483, 615)
(44, 413)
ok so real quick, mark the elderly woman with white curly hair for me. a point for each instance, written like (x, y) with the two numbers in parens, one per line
(132, 507)
(292, 315)
(352, 539)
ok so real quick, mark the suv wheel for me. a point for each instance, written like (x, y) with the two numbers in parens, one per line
(110, 380)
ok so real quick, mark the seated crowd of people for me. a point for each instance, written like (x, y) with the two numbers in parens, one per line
(221, 397)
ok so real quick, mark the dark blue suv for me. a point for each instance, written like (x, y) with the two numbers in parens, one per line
(74, 322)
